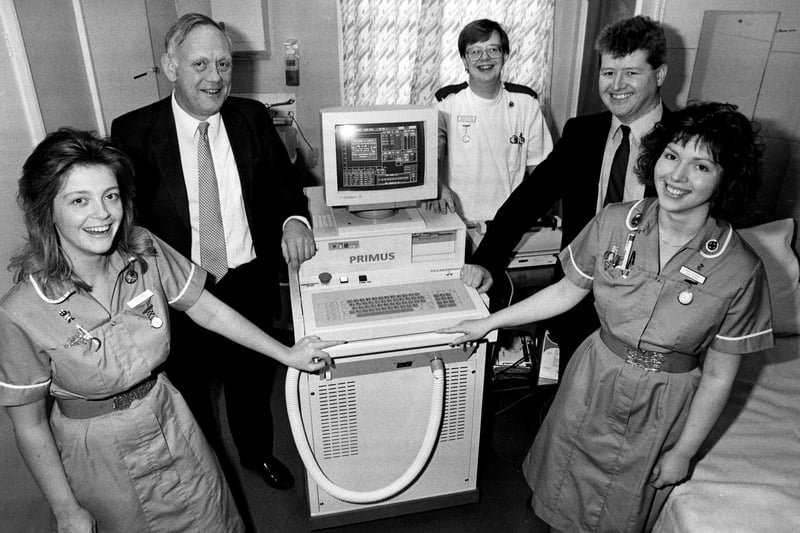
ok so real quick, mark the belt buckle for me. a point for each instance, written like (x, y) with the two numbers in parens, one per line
(124, 400)
(644, 359)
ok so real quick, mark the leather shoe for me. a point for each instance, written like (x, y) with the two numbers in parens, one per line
(273, 472)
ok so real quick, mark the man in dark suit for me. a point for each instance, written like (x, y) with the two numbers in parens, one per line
(579, 169)
(258, 212)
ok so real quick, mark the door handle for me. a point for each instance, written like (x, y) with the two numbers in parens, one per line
(154, 70)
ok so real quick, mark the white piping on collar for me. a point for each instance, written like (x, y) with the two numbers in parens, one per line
(631, 215)
(721, 249)
(69, 292)
(44, 297)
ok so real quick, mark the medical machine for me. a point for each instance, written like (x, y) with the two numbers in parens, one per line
(538, 247)
(394, 427)
(379, 157)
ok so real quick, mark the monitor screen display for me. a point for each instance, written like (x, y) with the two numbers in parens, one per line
(380, 156)
(377, 157)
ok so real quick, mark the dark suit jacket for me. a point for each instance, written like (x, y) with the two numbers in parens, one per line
(570, 174)
(270, 186)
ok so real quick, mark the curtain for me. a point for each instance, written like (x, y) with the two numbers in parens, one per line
(402, 51)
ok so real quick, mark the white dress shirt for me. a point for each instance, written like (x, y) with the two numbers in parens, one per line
(238, 240)
(640, 127)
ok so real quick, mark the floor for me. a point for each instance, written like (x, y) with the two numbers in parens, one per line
(513, 410)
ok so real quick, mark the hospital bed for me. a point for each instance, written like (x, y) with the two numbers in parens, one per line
(748, 476)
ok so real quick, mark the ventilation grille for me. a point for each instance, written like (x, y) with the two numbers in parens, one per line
(455, 404)
(323, 221)
(339, 419)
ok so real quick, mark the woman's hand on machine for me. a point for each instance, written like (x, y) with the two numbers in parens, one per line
(307, 354)
(473, 330)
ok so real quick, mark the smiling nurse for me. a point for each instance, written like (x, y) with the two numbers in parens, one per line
(87, 323)
(635, 405)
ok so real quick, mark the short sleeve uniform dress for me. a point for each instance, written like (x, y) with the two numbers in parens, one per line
(611, 420)
(145, 468)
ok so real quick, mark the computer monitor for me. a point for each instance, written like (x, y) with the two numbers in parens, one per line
(379, 158)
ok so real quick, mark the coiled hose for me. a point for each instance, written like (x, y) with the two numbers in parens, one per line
(384, 493)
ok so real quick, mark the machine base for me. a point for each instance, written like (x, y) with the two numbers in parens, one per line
(396, 509)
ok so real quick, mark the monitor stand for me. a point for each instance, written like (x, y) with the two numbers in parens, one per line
(381, 219)
(375, 214)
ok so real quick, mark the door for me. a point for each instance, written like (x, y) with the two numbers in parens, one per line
(125, 71)
(160, 16)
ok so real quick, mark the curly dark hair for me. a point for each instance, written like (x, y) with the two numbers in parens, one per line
(42, 178)
(481, 30)
(626, 36)
(730, 138)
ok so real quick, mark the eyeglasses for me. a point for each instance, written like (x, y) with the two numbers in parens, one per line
(493, 52)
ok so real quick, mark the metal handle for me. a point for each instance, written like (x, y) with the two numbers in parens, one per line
(154, 70)
(290, 101)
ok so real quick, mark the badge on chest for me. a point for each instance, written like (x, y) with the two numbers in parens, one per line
(142, 303)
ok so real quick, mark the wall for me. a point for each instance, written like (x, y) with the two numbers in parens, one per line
(51, 42)
(22, 507)
(568, 24)
(315, 26)
(777, 110)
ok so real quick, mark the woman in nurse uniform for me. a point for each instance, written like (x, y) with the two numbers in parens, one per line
(680, 297)
(87, 323)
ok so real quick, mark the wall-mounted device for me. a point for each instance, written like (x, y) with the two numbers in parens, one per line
(292, 51)
(283, 111)
(247, 24)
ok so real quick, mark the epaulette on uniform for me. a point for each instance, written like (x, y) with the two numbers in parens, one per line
(447, 90)
(516, 88)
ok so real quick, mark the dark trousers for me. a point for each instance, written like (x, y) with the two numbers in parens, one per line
(200, 359)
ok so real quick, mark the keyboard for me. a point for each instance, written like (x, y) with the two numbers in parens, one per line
(368, 311)
(405, 302)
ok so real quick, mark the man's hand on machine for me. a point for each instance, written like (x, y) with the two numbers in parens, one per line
(297, 244)
(308, 355)
(444, 203)
(473, 330)
(477, 277)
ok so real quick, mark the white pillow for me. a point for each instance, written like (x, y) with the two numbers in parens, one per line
(773, 243)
